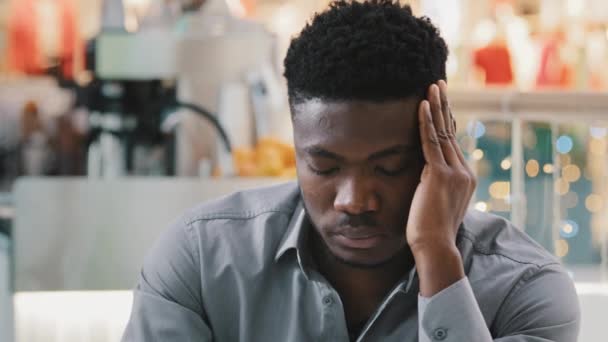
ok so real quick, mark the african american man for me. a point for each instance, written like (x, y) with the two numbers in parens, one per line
(374, 241)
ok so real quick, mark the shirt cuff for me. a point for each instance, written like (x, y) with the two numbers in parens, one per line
(452, 315)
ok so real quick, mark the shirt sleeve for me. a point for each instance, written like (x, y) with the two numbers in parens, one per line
(543, 307)
(452, 315)
(167, 303)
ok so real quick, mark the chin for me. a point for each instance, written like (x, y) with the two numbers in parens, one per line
(364, 258)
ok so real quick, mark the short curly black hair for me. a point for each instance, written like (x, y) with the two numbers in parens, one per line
(375, 50)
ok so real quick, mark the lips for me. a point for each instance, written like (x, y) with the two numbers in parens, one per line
(360, 243)
(359, 238)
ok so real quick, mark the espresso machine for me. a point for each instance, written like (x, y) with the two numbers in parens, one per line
(173, 97)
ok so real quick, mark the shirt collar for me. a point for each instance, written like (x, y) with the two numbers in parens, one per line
(294, 235)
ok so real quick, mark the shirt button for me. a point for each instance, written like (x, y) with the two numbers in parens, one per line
(327, 300)
(440, 334)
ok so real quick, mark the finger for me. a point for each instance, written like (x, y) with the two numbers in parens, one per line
(428, 136)
(465, 166)
(435, 103)
(445, 107)
(441, 129)
(454, 141)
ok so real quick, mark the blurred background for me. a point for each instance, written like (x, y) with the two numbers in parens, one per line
(117, 115)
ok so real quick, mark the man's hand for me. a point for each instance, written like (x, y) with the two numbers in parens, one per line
(441, 199)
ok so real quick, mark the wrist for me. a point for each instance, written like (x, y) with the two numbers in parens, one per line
(430, 246)
(438, 267)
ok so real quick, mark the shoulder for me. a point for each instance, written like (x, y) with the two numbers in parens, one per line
(492, 235)
(239, 231)
(247, 204)
(519, 285)
(244, 228)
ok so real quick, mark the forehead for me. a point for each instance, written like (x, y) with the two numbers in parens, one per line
(359, 124)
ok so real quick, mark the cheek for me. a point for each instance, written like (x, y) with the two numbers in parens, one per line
(397, 196)
(318, 193)
(318, 197)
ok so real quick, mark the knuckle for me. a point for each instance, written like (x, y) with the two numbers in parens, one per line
(436, 170)
(434, 140)
(443, 135)
(444, 173)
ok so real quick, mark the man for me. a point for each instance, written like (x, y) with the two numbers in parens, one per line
(373, 243)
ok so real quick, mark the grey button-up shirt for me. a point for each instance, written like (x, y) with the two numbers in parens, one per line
(237, 269)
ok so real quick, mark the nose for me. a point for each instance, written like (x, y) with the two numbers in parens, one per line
(355, 196)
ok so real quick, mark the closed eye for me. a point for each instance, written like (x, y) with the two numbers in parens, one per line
(391, 172)
(323, 172)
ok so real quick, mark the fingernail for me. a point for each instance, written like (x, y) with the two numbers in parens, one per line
(443, 85)
(427, 109)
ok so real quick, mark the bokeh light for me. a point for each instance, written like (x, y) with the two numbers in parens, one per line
(568, 229)
(571, 173)
(477, 154)
(594, 203)
(598, 132)
(476, 129)
(561, 248)
(564, 144)
(532, 168)
(505, 164)
(500, 190)
(481, 206)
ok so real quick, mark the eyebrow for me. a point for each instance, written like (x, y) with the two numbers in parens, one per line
(391, 151)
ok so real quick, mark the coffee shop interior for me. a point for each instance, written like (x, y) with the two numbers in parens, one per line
(117, 115)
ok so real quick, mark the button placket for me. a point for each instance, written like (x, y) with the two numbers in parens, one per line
(333, 314)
